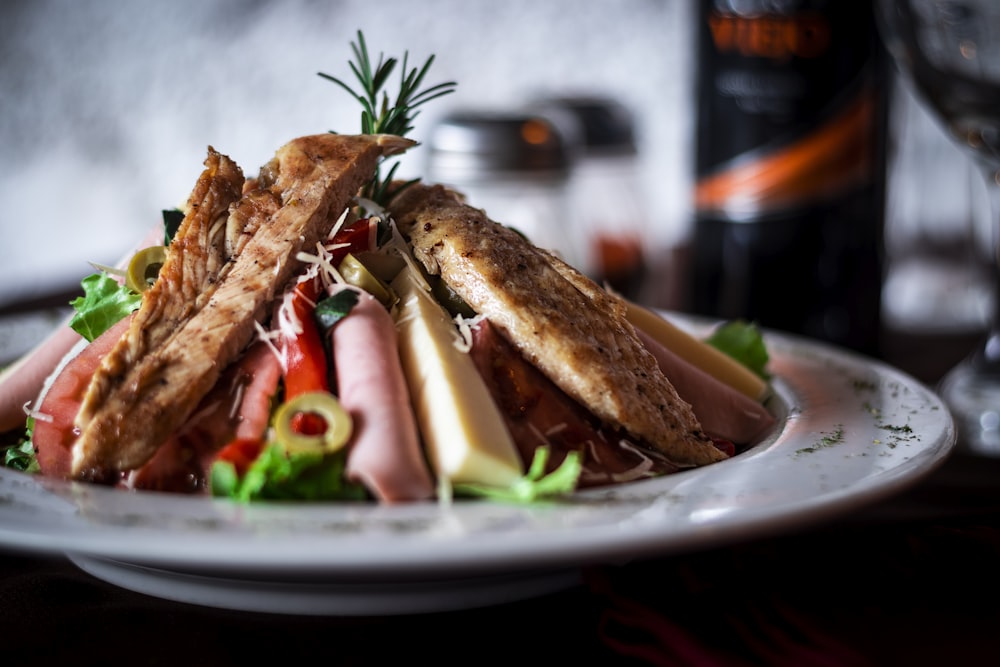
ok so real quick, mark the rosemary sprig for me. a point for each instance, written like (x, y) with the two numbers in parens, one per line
(379, 115)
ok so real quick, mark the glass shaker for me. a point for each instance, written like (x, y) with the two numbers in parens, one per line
(513, 164)
(609, 211)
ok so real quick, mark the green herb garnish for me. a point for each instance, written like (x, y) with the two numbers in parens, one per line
(334, 308)
(379, 115)
(535, 485)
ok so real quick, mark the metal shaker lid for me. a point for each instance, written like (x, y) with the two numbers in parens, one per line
(605, 125)
(471, 144)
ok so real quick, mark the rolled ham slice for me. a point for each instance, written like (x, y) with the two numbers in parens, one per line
(724, 413)
(385, 453)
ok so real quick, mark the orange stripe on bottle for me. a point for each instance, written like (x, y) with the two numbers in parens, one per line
(831, 160)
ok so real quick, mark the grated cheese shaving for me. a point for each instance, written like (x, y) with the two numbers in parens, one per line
(322, 264)
(267, 337)
(372, 207)
(238, 391)
(110, 270)
(289, 324)
(197, 417)
(37, 415)
(398, 244)
(464, 342)
(337, 226)
(557, 429)
(403, 306)
(639, 470)
(538, 434)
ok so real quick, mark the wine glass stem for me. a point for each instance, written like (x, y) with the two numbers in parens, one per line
(988, 357)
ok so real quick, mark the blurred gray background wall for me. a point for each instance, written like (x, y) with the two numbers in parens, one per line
(108, 105)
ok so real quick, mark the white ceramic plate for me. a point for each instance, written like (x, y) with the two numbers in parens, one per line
(851, 431)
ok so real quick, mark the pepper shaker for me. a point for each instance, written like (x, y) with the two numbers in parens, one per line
(513, 164)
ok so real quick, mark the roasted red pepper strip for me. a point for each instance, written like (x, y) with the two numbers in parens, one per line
(306, 355)
(307, 362)
(359, 237)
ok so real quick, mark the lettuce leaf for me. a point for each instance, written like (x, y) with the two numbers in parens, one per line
(18, 452)
(104, 303)
(277, 475)
(535, 485)
(744, 342)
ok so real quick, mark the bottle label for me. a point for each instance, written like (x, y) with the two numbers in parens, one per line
(787, 106)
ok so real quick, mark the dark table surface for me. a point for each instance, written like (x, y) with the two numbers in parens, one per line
(911, 580)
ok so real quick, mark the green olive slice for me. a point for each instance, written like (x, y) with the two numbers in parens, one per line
(338, 423)
(450, 299)
(145, 267)
(355, 273)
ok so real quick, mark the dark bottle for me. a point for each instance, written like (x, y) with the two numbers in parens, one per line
(790, 167)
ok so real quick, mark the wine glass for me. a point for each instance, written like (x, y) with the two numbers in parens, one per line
(949, 50)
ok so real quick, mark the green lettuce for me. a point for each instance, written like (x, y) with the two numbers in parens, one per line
(18, 452)
(278, 475)
(744, 342)
(105, 302)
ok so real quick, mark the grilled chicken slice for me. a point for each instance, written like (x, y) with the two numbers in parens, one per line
(565, 325)
(189, 275)
(138, 401)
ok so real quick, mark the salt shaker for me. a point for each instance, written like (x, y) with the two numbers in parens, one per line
(513, 164)
(608, 211)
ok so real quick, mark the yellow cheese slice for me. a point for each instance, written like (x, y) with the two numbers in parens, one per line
(699, 353)
(464, 433)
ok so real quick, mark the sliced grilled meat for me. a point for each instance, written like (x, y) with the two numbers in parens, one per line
(561, 322)
(291, 206)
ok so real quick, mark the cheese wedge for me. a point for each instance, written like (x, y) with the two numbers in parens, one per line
(698, 353)
(463, 431)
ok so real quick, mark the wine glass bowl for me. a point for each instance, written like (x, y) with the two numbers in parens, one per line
(949, 51)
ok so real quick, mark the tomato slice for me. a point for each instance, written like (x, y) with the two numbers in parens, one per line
(53, 434)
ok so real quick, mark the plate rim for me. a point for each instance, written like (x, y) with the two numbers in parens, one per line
(582, 547)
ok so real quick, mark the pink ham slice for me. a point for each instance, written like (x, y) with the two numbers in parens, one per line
(539, 413)
(385, 453)
(724, 413)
